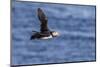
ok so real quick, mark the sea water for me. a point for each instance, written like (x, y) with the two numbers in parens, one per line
(75, 23)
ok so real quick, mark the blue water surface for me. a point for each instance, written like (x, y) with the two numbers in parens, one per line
(75, 23)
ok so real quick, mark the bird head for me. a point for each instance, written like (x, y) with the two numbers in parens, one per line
(55, 34)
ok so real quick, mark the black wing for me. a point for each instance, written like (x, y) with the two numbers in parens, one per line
(43, 20)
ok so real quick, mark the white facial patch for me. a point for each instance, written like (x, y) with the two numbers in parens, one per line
(55, 34)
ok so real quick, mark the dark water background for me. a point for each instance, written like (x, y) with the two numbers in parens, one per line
(75, 23)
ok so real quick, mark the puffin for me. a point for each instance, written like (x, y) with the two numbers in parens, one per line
(45, 32)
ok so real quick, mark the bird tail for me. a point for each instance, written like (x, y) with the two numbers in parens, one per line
(34, 31)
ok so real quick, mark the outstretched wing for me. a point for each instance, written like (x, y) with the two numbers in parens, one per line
(43, 20)
(42, 17)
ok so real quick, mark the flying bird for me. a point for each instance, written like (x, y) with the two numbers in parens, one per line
(45, 32)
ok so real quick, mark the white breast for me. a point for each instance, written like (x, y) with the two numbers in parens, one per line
(47, 37)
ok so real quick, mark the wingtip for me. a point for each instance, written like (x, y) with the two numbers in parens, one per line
(39, 9)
